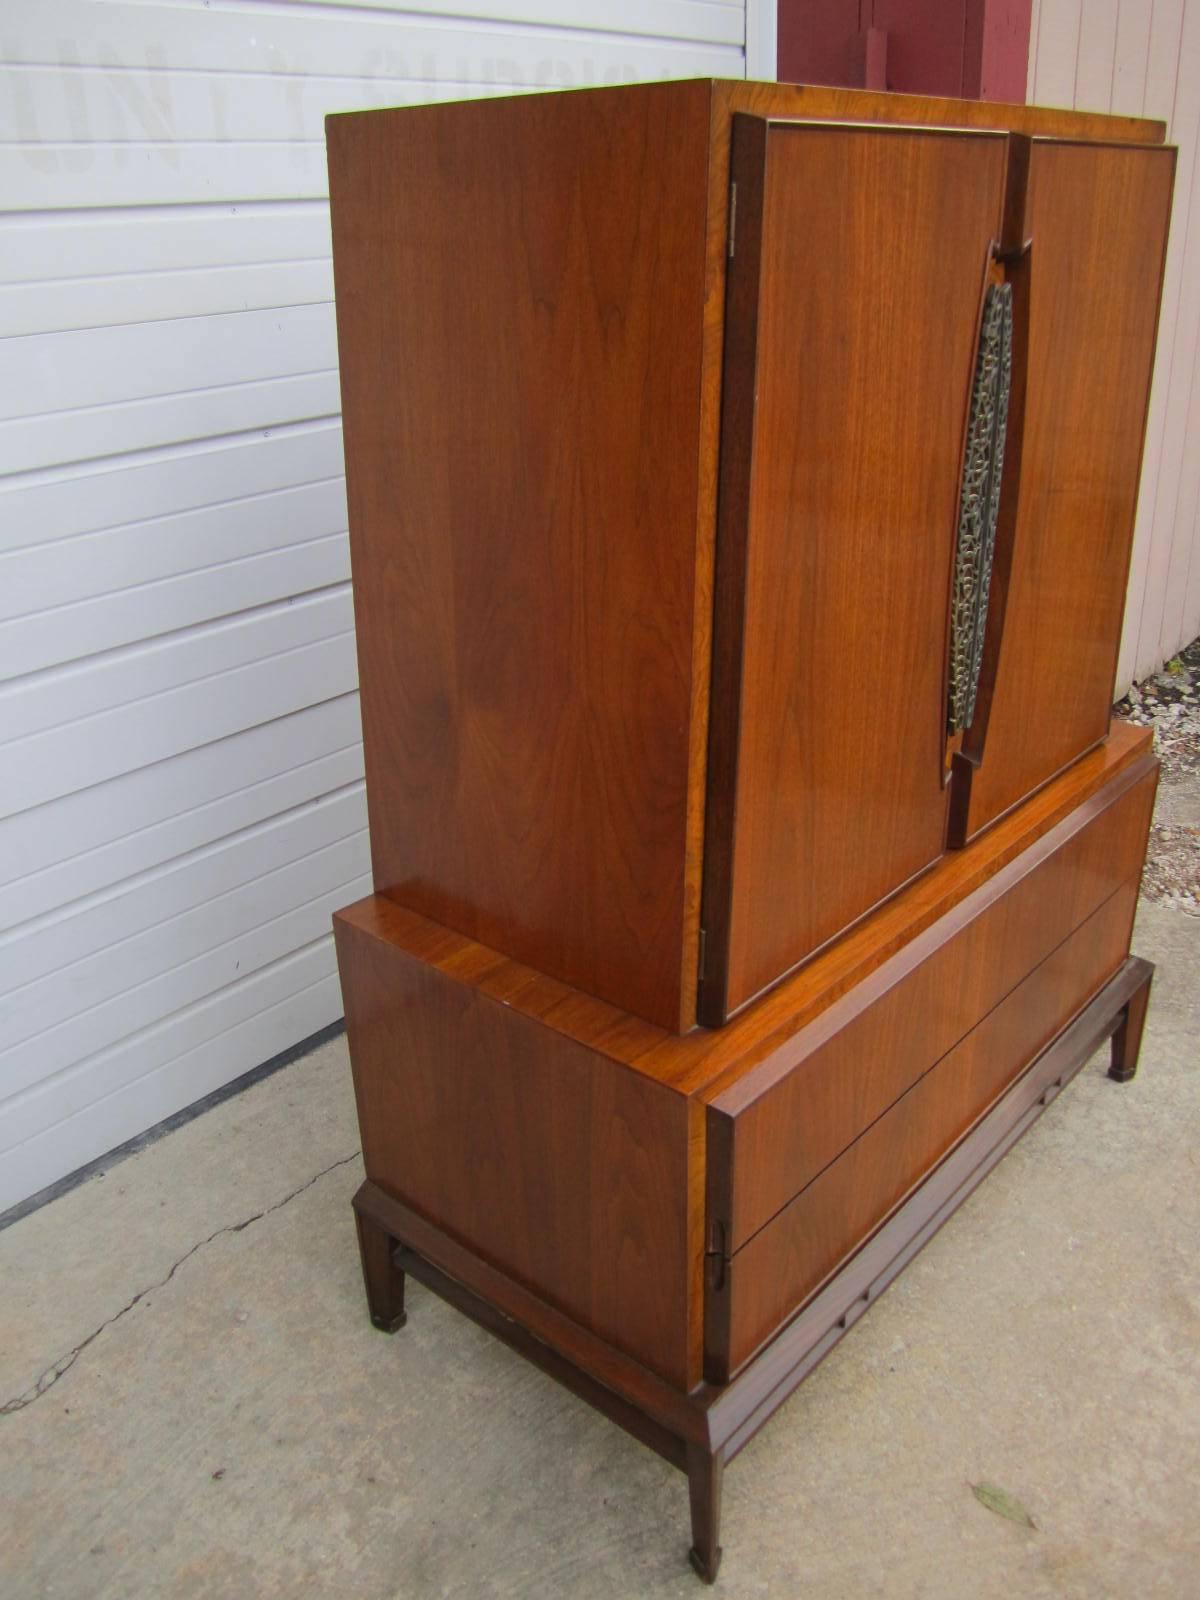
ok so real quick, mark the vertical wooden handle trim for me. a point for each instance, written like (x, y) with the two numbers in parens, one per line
(979, 502)
(1013, 258)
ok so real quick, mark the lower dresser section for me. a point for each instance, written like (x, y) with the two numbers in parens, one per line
(681, 1226)
(682, 1197)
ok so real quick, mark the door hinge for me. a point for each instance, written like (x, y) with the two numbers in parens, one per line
(732, 219)
(703, 954)
(715, 1259)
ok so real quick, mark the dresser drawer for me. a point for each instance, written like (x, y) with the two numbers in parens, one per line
(787, 1260)
(772, 1131)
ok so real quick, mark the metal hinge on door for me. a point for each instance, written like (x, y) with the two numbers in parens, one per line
(732, 219)
(714, 1256)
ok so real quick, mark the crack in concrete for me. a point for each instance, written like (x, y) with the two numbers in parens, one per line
(58, 1369)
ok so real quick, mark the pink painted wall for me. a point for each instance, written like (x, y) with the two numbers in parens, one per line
(978, 49)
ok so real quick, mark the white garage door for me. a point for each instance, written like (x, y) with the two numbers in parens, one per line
(181, 802)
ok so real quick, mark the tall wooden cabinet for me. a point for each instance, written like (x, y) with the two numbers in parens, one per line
(741, 484)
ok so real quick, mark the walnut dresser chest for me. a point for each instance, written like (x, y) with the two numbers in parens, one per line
(741, 483)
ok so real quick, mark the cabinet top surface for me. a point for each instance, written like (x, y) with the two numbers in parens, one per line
(729, 95)
(691, 1062)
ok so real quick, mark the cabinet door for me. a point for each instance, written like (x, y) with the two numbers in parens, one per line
(1096, 217)
(858, 261)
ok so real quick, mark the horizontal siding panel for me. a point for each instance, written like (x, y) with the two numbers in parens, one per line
(62, 760)
(126, 107)
(37, 893)
(124, 986)
(160, 174)
(69, 962)
(306, 43)
(104, 366)
(152, 669)
(50, 638)
(127, 556)
(61, 305)
(93, 838)
(103, 431)
(98, 924)
(233, 1031)
(188, 109)
(304, 902)
(103, 244)
(60, 506)
(181, 800)
(624, 16)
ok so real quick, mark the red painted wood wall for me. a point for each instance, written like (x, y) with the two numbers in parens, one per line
(977, 49)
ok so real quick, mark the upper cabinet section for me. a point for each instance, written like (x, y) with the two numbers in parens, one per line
(546, 390)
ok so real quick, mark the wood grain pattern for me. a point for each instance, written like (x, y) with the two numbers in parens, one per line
(869, 236)
(1127, 1038)
(789, 1258)
(738, 1409)
(701, 1431)
(629, 1415)
(534, 1148)
(531, 387)
(795, 100)
(802, 1106)
(566, 1172)
(520, 373)
(858, 105)
(712, 1060)
(1098, 219)
(652, 1395)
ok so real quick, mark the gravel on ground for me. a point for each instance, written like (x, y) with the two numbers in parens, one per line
(1169, 702)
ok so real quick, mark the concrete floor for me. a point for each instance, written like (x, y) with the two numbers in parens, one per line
(198, 1407)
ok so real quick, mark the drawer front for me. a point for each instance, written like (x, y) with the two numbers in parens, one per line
(777, 1127)
(788, 1260)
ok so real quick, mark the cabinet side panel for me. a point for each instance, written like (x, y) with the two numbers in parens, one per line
(547, 1160)
(519, 298)
(874, 246)
(1098, 220)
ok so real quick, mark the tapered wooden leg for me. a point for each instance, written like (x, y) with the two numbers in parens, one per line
(704, 1470)
(384, 1281)
(1127, 1040)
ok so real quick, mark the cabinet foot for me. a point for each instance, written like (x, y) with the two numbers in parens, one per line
(382, 1279)
(705, 1469)
(1127, 1040)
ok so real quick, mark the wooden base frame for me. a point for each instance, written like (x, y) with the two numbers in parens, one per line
(701, 1431)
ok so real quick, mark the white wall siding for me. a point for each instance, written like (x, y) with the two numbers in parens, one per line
(1142, 57)
(181, 803)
